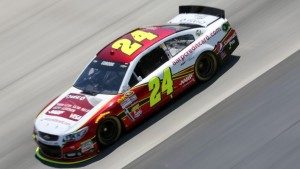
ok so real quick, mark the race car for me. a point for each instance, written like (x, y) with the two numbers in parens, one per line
(129, 79)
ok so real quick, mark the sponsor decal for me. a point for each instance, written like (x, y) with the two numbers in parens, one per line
(125, 95)
(128, 93)
(231, 43)
(133, 98)
(128, 114)
(60, 104)
(121, 99)
(137, 112)
(76, 107)
(197, 21)
(225, 27)
(125, 103)
(75, 116)
(219, 48)
(57, 121)
(196, 46)
(128, 100)
(56, 112)
(228, 40)
(72, 107)
(68, 109)
(197, 16)
(198, 33)
(124, 66)
(106, 63)
(223, 55)
(76, 97)
(186, 79)
(56, 107)
(85, 110)
(86, 146)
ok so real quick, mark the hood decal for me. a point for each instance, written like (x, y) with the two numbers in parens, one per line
(72, 106)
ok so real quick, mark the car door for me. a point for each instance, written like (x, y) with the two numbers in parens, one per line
(146, 82)
(152, 81)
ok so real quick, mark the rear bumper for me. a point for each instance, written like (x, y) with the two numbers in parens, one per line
(226, 46)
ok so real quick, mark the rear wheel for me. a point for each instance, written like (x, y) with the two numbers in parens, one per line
(109, 130)
(205, 67)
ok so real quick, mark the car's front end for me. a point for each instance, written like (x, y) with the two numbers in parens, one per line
(66, 129)
(63, 132)
(65, 149)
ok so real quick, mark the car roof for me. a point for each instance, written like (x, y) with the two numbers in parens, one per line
(128, 47)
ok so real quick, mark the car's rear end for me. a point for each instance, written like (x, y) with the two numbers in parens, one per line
(222, 38)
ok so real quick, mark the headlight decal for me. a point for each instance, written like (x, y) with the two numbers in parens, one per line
(75, 136)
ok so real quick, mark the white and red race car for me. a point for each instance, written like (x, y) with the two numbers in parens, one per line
(131, 78)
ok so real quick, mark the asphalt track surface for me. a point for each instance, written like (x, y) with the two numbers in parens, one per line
(241, 119)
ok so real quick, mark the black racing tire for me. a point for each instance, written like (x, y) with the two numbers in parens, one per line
(109, 130)
(205, 67)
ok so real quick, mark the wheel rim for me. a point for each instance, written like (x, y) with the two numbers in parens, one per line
(108, 131)
(205, 67)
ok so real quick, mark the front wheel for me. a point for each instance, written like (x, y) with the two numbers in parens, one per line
(205, 67)
(109, 130)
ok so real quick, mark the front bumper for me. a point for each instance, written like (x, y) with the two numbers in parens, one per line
(68, 154)
(40, 155)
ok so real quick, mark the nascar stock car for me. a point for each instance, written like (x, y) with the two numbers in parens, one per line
(131, 78)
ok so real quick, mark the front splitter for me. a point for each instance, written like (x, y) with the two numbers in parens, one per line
(62, 161)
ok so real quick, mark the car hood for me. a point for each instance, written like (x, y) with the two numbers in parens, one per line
(69, 112)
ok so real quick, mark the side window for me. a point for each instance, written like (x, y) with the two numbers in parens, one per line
(133, 80)
(177, 44)
(150, 62)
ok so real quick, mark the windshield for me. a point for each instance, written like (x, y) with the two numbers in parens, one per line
(102, 77)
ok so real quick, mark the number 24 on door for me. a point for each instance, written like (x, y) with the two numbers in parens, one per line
(166, 86)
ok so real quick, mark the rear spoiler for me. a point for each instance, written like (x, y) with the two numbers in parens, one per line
(202, 10)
